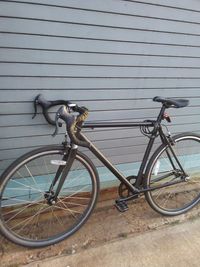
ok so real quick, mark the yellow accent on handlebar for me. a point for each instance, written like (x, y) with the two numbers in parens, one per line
(82, 117)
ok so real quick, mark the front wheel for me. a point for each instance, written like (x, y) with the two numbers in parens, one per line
(164, 169)
(27, 217)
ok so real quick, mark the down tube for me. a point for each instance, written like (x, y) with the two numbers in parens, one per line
(108, 164)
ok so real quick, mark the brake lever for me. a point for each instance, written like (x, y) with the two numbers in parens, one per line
(35, 106)
(57, 123)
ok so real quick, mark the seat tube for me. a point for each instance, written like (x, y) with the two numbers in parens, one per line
(149, 147)
(144, 161)
(160, 116)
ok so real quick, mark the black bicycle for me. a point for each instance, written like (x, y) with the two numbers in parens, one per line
(49, 193)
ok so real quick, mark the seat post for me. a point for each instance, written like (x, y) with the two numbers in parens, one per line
(162, 111)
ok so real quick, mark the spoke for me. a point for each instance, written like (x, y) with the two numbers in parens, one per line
(166, 200)
(76, 204)
(163, 188)
(47, 170)
(16, 204)
(69, 191)
(20, 175)
(80, 197)
(36, 165)
(66, 208)
(159, 192)
(29, 219)
(15, 210)
(28, 186)
(51, 224)
(33, 203)
(57, 218)
(32, 178)
(78, 191)
(170, 194)
(74, 170)
(19, 189)
(73, 180)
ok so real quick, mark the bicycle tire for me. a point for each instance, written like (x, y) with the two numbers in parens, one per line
(179, 198)
(25, 216)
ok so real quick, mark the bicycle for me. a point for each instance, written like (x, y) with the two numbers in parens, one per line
(49, 193)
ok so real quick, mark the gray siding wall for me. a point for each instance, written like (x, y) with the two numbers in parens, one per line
(112, 56)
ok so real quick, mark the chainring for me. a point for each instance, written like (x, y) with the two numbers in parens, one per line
(123, 190)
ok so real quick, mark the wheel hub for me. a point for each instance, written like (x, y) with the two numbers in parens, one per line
(50, 197)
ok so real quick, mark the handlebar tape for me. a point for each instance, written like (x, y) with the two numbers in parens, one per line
(73, 123)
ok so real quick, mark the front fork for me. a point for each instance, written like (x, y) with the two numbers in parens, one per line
(63, 170)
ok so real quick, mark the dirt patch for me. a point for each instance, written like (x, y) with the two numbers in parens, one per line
(105, 225)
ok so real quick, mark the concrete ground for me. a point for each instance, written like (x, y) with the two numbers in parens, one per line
(174, 245)
(138, 237)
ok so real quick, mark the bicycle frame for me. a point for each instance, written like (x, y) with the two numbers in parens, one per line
(157, 131)
(72, 154)
(107, 163)
(136, 188)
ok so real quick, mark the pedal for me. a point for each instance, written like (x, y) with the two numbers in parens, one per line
(121, 206)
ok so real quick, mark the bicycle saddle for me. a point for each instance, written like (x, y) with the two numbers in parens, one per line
(171, 102)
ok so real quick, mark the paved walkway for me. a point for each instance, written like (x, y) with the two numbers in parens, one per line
(175, 245)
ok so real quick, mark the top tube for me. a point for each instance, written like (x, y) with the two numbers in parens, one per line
(117, 124)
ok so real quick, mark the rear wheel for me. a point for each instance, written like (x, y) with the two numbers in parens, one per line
(163, 169)
(27, 217)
